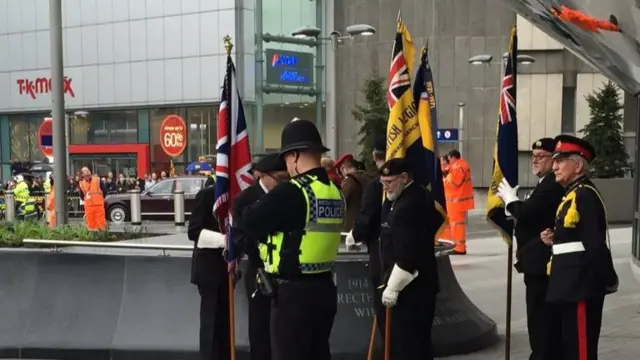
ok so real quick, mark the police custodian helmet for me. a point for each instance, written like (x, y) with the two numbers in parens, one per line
(301, 135)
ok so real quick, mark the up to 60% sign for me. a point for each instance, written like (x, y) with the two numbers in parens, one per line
(173, 135)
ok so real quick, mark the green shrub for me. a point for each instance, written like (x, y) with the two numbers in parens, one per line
(12, 234)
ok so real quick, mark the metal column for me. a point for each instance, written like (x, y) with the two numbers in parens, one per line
(635, 240)
(319, 66)
(332, 86)
(259, 142)
(461, 132)
(57, 107)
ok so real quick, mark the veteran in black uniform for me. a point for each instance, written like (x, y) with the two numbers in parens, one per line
(270, 170)
(367, 228)
(301, 220)
(209, 273)
(410, 275)
(535, 214)
(581, 270)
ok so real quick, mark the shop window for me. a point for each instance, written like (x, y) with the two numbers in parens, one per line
(104, 127)
(158, 155)
(202, 131)
(24, 137)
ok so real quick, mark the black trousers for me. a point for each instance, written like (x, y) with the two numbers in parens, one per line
(214, 322)
(575, 330)
(536, 290)
(259, 317)
(302, 316)
(411, 321)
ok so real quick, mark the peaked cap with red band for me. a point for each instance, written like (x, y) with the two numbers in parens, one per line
(570, 145)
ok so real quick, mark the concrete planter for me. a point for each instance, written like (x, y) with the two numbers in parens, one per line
(618, 198)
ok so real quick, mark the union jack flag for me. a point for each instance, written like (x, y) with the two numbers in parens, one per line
(233, 159)
(507, 100)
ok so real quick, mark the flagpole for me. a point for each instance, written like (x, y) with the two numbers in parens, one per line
(507, 343)
(228, 46)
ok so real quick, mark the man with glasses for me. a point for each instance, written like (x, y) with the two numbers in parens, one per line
(536, 213)
(409, 273)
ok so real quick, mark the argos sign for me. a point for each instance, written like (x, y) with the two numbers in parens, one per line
(291, 68)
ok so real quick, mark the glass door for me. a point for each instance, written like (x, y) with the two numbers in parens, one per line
(102, 164)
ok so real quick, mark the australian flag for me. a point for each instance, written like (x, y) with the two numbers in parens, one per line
(233, 159)
(505, 154)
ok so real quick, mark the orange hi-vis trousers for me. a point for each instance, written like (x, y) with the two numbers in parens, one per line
(95, 217)
(456, 230)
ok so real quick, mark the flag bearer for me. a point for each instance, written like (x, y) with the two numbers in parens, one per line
(535, 214)
(409, 272)
(306, 216)
(270, 170)
(581, 269)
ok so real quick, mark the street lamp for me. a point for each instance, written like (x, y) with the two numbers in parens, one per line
(485, 59)
(335, 38)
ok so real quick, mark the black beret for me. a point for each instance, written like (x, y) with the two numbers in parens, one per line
(380, 144)
(546, 144)
(570, 145)
(271, 162)
(394, 167)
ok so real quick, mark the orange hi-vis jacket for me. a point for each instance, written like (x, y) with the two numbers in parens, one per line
(584, 21)
(93, 195)
(459, 188)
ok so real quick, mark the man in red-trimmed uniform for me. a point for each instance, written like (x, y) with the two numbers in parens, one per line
(92, 192)
(581, 269)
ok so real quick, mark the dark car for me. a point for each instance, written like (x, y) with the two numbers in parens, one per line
(156, 203)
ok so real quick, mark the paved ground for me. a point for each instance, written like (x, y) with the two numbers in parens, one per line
(482, 275)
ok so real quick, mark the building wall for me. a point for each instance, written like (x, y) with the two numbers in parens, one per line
(119, 53)
(539, 107)
(532, 38)
(456, 30)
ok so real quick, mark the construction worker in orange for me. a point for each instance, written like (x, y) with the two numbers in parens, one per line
(445, 165)
(92, 192)
(459, 195)
(584, 21)
(51, 205)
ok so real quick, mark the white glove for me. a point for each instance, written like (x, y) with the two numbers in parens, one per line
(507, 193)
(398, 280)
(211, 240)
(350, 241)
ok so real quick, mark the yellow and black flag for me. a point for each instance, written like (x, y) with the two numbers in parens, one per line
(505, 154)
(410, 129)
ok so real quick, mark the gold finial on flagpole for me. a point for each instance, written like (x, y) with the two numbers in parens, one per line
(228, 46)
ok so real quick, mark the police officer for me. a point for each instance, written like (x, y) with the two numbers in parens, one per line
(535, 214)
(581, 269)
(409, 272)
(270, 170)
(209, 273)
(306, 215)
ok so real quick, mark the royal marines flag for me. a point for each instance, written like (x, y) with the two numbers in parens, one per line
(505, 153)
(233, 159)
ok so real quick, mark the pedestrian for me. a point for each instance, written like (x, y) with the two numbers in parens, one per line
(353, 183)
(209, 273)
(535, 214)
(270, 171)
(368, 221)
(409, 271)
(51, 204)
(92, 192)
(581, 269)
(306, 216)
(459, 195)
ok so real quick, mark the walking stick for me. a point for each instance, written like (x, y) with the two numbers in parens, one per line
(387, 334)
(372, 338)
(507, 345)
(232, 317)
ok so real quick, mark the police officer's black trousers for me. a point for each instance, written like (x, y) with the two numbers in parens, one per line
(411, 321)
(575, 330)
(302, 316)
(259, 317)
(536, 290)
(214, 322)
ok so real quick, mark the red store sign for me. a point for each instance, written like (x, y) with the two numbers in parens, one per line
(42, 86)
